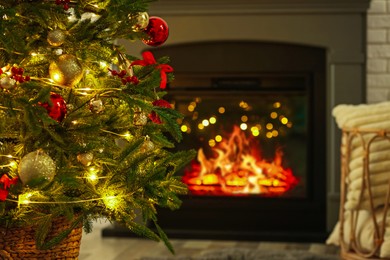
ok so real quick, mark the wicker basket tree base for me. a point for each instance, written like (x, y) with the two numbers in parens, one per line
(19, 243)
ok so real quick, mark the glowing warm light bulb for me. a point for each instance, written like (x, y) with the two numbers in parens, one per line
(244, 118)
(269, 126)
(128, 136)
(273, 115)
(269, 135)
(184, 128)
(111, 202)
(200, 126)
(13, 165)
(255, 131)
(56, 77)
(284, 120)
(289, 124)
(92, 177)
(243, 105)
(212, 142)
(275, 133)
(243, 126)
(103, 65)
(277, 105)
(218, 138)
(191, 108)
(75, 122)
(213, 120)
(25, 198)
(205, 122)
(221, 110)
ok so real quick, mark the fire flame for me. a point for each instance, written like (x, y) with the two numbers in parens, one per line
(238, 169)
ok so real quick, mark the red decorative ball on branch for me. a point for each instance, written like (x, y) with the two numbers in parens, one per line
(57, 110)
(157, 30)
(158, 103)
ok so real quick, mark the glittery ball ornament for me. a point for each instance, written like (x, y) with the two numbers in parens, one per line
(56, 37)
(147, 146)
(96, 106)
(85, 158)
(36, 166)
(157, 31)
(56, 110)
(141, 21)
(140, 118)
(66, 70)
(7, 82)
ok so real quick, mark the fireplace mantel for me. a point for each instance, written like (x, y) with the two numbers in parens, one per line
(195, 7)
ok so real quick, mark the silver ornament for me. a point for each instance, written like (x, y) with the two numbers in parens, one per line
(7, 82)
(142, 21)
(85, 158)
(147, 146)
(56, 37)
(140, 118)
(36, 165)
(96, 106)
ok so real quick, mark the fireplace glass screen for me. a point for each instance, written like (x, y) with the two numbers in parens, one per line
(250, 138)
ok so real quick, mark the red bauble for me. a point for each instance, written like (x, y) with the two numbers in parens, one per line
(57, 111)
(158, 103)
(157, 30)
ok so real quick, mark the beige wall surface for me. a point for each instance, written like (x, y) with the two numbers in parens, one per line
(378, 51)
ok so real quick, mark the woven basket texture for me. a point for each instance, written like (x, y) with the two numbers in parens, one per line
(18, 243)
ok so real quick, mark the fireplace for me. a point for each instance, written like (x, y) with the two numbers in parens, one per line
(309, 56)
(258, 127)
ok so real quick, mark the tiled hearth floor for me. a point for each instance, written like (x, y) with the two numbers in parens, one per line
(94, 247)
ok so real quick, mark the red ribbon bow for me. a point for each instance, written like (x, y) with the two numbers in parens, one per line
(150, 60)
(7, 182)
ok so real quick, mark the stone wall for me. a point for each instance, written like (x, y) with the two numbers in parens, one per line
(378, 51)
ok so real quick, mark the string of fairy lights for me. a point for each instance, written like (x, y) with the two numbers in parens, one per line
(111, 201)
(91, 175)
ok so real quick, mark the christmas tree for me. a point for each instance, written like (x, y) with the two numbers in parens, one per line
(85, 131)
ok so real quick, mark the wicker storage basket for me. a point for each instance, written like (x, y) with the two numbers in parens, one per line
(19, 243)
(352, 249)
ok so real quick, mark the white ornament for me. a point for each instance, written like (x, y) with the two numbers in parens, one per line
(7, 82)
(96, 106)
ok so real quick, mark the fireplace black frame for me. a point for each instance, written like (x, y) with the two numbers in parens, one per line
(254, 218)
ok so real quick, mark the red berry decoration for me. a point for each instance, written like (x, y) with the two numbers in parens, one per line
(65, 3)
(158, 103)
(157, 30)
(57, 110)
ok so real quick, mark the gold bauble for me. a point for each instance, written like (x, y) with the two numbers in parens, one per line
(66, 71)
(36, 166)
(85, 158)
(142, 21)
(140, 118)
(56, 37)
